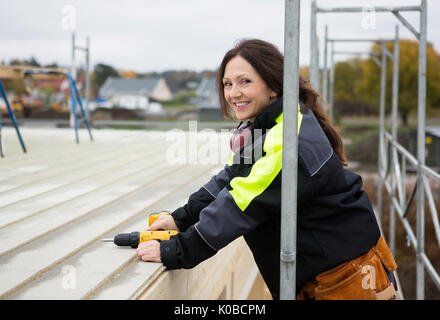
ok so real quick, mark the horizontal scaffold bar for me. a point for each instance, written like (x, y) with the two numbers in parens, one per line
(360, 40)
(367, 8)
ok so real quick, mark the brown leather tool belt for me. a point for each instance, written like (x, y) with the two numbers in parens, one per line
(368, 277)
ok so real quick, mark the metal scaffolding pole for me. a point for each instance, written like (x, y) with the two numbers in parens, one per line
(329, 92)
(394, 111)
(314, 51)
(325, 74)
(421, 117)
(383, 80)
(88, 76)
(290, 151)
(332, 80)
(73, 66)
(86, 50)
(419, 240)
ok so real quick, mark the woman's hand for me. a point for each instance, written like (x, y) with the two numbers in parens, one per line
(165, 222)
(149, 251)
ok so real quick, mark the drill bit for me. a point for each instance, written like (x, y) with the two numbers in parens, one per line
(107, 240)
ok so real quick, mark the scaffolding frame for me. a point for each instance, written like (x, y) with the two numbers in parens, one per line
(289, 173)
(328, 89)
(393, 177)
(86, 51)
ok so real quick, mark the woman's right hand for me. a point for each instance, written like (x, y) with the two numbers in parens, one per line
(165, 222)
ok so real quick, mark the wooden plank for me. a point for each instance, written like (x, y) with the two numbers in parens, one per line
(49, 233)
(52, 249)
(98, 264)
(74, 166)
(206, 281)
(63, 154)
(63, 176)
(34, 224)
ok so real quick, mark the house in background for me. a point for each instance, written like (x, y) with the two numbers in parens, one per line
(135, 94)
(208, 107)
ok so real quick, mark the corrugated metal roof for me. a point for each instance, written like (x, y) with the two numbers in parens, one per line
(142, 86)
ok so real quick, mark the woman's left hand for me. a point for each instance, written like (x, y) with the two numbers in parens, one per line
(149, 251)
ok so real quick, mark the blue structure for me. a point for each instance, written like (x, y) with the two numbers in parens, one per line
(74, 96)
(11, 115)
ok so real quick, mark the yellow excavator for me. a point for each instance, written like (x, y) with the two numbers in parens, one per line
(24, 78)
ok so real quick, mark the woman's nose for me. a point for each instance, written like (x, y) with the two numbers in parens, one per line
(235, 92)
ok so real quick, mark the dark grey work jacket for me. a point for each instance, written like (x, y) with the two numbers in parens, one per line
(336, 222)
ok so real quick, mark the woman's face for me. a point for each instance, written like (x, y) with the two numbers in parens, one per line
(244, 89)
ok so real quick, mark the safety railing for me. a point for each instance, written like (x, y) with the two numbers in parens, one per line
(392, 171)
(394, 175)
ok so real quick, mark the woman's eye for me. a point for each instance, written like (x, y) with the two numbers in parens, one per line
(227, 84)
(245, 81)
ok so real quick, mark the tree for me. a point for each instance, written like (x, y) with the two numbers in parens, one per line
(102, 72)
(369, 86)
(129, 74)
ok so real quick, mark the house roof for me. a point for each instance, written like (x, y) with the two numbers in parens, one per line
(142, 86)
(207, 88)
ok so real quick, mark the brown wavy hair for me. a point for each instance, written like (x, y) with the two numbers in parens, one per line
(268, 61)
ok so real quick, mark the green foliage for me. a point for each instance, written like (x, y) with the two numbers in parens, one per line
(101, 72)
(349, 73)
(357, 82)
(181, 99)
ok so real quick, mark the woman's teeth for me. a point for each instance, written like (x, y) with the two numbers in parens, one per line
(241, 104)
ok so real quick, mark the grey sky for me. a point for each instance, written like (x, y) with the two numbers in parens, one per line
(152, 35)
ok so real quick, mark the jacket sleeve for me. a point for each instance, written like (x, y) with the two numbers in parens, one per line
(250, 198)
(188, 214)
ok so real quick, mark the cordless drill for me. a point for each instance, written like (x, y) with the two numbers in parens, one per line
(134, 238)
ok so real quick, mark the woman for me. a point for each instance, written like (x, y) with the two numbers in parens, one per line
(340, 253)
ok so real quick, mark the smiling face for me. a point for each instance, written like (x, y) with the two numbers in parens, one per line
(244, 90)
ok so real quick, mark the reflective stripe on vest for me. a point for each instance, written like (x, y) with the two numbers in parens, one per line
(265, 169)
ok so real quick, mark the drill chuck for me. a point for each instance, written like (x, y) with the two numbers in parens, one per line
(127, 239)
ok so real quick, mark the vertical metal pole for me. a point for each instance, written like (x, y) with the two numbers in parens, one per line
(88, 77)
(325, 75)
(381, 146)
(383, 79)
(73, 74)
(73, 108)
(2, 151)
(317, 85)
(11, 114)
(394, 106)
(332, 79)
(421, 153)
(314, 68)
(73, 66)
(290, 151)
(83, 112)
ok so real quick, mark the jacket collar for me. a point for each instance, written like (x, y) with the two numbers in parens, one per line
(266, 118)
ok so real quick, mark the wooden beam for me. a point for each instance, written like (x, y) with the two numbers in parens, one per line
(229, 267)
(17, 72)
